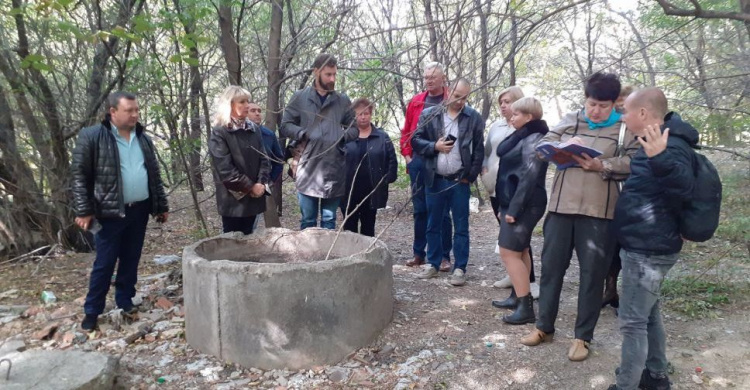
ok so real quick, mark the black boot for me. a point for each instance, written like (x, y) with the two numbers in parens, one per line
(89, 322)
(510, 303)
(649, 382)
(610, 293)
(524, 313)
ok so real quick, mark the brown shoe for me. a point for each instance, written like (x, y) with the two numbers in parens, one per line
(445, 265)
(579, 350)
(537, 337)
(415, 262)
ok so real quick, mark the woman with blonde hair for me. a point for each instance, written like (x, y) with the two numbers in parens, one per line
(240, 167)
(499, 130)
(521, 196)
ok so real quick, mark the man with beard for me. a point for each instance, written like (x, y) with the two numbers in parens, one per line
(435, 92)
(322, 120)
(450, 139)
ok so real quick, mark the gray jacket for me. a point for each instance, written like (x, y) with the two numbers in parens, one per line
(326, 128)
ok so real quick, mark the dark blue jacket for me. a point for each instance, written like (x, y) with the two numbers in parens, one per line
(273, 150)
(383, 166)
(470, 140)
(647, 215)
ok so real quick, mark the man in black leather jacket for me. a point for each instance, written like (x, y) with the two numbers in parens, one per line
(116, 185)
(450, 140)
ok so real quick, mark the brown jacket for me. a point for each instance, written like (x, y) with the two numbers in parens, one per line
(594, 194)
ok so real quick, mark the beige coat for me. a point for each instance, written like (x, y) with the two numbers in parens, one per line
(594, 194)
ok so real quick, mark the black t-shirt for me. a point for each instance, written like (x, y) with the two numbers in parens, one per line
(362, 181)
(431, 101)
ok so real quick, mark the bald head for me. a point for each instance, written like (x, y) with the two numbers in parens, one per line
(647, 106)
(652, 99)
(459, 91)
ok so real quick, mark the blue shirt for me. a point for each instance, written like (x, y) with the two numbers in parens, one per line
(132, 168)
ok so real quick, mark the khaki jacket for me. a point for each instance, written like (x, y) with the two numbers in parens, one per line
(594, 194)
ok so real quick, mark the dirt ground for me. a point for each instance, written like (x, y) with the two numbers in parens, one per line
(440, 336)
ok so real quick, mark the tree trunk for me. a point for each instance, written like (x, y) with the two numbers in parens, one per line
(513, 48)
(273, 94)
(484, 72)
(432, 30)
(229, 46)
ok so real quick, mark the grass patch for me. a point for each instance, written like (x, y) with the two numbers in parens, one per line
(735, 205)
(696, 298)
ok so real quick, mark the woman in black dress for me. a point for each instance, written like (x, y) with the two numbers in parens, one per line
(522, 199)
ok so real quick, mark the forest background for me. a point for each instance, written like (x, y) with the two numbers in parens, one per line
(61, 58)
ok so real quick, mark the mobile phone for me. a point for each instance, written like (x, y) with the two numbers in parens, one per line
(450, 138)
(95, 226)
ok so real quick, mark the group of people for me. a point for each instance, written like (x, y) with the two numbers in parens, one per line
(342, 160)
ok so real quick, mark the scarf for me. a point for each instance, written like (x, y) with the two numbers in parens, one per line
(241, 124)
(532, 127)
(614, 116)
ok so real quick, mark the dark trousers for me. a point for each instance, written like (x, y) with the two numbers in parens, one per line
(119, 239)
(594, 245)
(496, 209)
(360, 220)
(246, 225)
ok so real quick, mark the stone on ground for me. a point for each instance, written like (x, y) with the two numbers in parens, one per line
(59, 370)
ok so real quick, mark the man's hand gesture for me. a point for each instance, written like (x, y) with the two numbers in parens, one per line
(653, 141)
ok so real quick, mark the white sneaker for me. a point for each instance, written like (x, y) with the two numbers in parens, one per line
(506, 283)
(458, 278)
(428, 273)
(534, 290)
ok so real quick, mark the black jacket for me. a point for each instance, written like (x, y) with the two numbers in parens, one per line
(647, 214)
(381, 157)
(470, 140)
(96, 180)
(521, 175)
(238, 163)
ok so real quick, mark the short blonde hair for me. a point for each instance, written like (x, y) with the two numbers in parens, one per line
(223, 114)
(514, 93)
(625, 91)
(528, 105)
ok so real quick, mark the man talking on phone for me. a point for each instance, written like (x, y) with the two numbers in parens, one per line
(450, 139)
(116, 184)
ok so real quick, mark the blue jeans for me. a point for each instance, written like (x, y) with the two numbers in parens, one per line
(445, 195)
(643, 336)
(309, 206)
(120, 238)
(416, 176)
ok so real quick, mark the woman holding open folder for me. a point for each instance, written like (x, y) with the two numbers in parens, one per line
(580, 209)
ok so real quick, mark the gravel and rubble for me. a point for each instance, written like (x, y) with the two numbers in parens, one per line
(440, 337)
